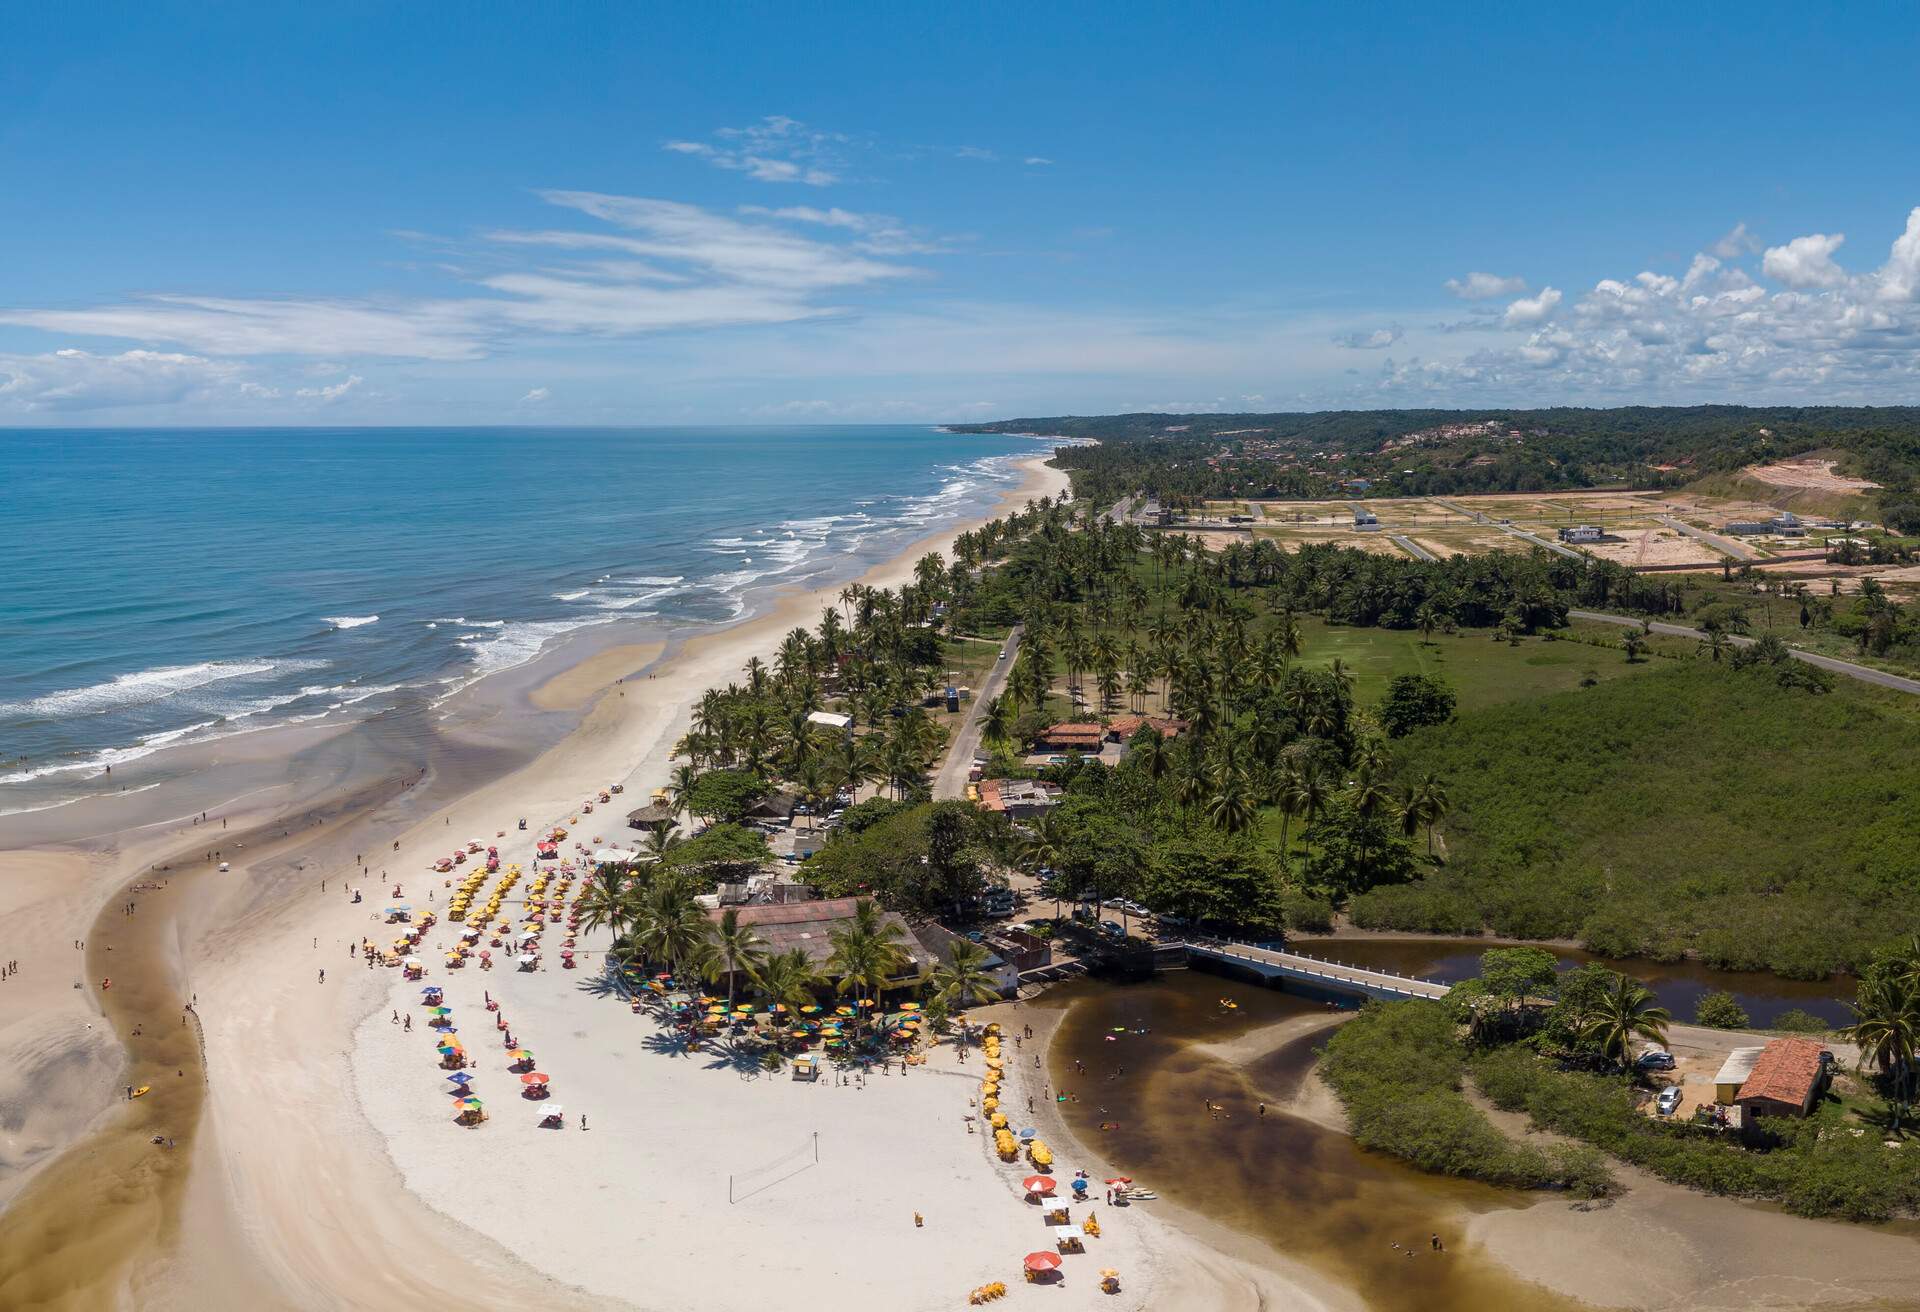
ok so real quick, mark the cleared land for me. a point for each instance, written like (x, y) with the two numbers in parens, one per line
(1808, 475)
(1448, 526)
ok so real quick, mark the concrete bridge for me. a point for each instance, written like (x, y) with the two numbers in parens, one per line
(1314, 973)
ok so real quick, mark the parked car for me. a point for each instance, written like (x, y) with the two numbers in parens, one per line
(1655, 1059)
(1669, 1100)
(1112, 929)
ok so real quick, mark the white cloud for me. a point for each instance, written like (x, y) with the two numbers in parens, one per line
(776, 149)
(980, 153)
(1037, 161)
(1479, 286)
(880, 234)
(1377, 340)
(1735, 243)
(332, 392)
(1900, 280)
(1532, 309)
(80, 380)
(672, 265)
(536, 396)
(1713, 333)
(1806, 261)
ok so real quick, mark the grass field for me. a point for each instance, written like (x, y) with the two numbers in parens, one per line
(1480, 671)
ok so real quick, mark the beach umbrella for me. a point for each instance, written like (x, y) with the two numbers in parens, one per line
(521, 1054)
(533, 1078)
(1029, 1133)
(864, 1003)
(461, 1077)
(1120, 1179)
(440, 1011)
(909, 1006)
(431, 988)
(468, 1104)
(809, 1010)
(1043, 1261)
(1038, 1184)
(843, 1011)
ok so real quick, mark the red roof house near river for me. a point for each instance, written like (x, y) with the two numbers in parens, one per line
(1786, 1078)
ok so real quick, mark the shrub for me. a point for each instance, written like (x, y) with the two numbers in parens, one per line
(1397, 1068)
(1303, 911)
(1797, 1021)
(1720, 1010)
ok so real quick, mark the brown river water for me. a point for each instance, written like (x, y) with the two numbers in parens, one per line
(1304, 1189)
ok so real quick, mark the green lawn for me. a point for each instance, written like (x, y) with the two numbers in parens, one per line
(1482, 672)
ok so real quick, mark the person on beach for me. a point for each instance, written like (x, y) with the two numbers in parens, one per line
(323, 977)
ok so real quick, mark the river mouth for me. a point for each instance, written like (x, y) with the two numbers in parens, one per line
(1182, 1117)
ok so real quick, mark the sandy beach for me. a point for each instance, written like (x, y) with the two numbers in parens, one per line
(328, 1203)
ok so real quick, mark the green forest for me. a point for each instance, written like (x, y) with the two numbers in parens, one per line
(1186, 458)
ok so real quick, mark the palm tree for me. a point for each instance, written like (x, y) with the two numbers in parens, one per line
(1633, 644)
(670, 927)
(1231, 807)
(789, 978)
(737, 950)
(866, 951)
(1308, 793)
(963, 979)
(680, 788)
(662, 839)
(1886, 1025)
(607, 901)
(996, 723)
(1625, 1012)
(1423, 804)
(1714, 645)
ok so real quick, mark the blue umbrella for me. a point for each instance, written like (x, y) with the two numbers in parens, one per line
(461, 1077)
(1029, 1133)
(431, 988)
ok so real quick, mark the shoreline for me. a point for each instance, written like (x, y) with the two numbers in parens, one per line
(233, 942)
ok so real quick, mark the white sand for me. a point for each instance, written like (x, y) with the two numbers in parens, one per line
(353, 1188)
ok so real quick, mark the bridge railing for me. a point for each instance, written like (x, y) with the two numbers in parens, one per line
(1348, 974)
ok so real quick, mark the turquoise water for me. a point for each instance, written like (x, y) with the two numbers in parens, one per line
(168, 586)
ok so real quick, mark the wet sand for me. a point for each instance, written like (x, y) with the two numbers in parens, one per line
(276, 1192)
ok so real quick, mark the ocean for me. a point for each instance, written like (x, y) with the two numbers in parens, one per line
(165, 587)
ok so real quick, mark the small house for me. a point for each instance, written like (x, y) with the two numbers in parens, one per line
(1071, 737)
(1786, 1079)
(1580, 533)
(1018, 799)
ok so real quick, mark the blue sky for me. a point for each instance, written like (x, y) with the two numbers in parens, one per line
(737, 214)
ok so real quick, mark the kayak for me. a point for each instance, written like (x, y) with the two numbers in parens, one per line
(142, 1089)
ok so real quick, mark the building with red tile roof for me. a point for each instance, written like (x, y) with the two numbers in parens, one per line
(1069, 736)
(1786, 1078)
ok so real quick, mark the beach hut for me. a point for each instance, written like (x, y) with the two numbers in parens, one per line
(654, 813)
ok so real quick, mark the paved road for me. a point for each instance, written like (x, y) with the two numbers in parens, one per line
(1411, 547)
(951, 780)
(1559, 548)
(1726, 545)
(1864, 673)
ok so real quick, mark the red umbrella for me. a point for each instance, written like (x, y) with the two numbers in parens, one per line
(1038, 1184)
(535, 1078)
(1121, 1179)
(1043, 1261)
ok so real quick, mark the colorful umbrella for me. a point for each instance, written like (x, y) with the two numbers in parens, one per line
(1043, 1261)
(1038, 1184)
(535, 1078)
